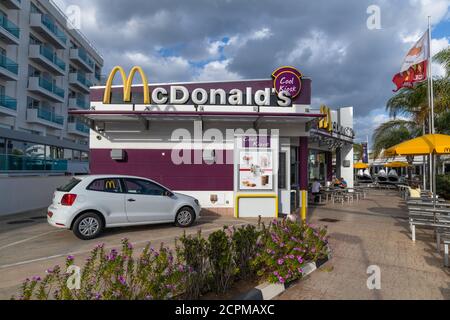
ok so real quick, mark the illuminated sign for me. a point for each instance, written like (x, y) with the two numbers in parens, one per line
(287, 86)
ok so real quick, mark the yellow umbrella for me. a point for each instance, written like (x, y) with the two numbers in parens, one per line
(360, 165)
(397, 164)
(431, 144)
(427, 144)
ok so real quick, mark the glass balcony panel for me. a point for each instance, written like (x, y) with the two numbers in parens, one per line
(9, 64)
(9, 26)
(8, 102)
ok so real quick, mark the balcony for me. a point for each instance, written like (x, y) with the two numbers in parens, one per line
(8, 106)
(12, 4)
(47, 28)
(47, 59)
(79, 81)
(9, 69)
(80, 57)
(9, 162)
(45, 117)
(77, 103)
(78, 128)
(9, 32)
(46, 89)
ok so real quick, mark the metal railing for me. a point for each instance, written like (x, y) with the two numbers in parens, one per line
(82, 79)
(51, 55)
(8, 102)
(9, 26)
(49, 86)
(49, 116)
(85, 57)
(10, 162)
(81, 127)
(9, 64)
(50, 24)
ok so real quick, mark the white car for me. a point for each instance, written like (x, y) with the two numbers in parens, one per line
(88, 204)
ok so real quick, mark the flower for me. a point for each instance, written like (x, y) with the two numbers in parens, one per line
(280, 261)
(300, 259)
(36, 278)
(122, 280)
(300, 270)
(49, 271)
(70, 258)
(281, 279)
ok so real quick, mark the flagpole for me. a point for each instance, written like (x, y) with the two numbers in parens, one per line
(431, 96)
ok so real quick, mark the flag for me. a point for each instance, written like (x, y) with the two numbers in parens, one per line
(415, 64)
(406, 79)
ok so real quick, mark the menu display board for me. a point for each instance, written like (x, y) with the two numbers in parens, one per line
(255, 167)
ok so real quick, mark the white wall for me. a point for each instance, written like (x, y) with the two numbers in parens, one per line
(18, 194)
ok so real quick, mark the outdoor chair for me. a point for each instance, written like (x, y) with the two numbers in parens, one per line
(428, 217)
(446, 245)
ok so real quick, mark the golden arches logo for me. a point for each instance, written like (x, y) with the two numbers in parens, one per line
(325, 122)
(110, 184)
(127, 83)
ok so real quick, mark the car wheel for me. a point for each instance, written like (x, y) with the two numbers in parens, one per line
(185, 217)
(88, 226)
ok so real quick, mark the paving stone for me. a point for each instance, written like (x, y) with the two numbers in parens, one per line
(375, 231)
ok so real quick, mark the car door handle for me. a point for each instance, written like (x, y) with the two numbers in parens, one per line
(131, 200)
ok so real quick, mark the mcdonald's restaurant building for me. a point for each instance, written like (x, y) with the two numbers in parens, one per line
(243, 148)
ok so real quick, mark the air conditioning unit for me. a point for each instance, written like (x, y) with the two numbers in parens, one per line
(117, 154)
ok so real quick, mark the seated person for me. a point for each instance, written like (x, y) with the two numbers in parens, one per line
(336, 182)
(414, 191)
(343, 183)
(315, 189)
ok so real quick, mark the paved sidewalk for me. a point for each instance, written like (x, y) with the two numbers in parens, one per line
(374, 231)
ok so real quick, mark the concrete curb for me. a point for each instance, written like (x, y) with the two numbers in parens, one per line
(268, 291)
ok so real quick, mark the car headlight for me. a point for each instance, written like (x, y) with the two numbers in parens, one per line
(196, 202)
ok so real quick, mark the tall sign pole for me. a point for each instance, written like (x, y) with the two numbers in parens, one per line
(431, 103)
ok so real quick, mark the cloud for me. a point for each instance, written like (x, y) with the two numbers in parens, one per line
(228, 39)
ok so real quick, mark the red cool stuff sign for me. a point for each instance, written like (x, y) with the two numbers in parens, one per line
(287, 79)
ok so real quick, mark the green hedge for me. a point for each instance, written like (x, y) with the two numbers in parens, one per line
(443, 186)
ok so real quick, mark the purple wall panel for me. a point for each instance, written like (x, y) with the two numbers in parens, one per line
(154, 165)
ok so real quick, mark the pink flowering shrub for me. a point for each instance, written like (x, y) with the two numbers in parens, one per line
(113, 275)
(286, 247)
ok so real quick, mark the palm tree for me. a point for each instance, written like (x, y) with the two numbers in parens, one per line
(443, 57)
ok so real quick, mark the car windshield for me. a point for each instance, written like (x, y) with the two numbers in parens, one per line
(70, 185)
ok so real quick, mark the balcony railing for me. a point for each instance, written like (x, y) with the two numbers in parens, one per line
(9, 26)
(50, 55)
(82, 127)
(50, 24)
(81, 103)
(49, 86)
(10, 162)
(82, 79)
(8, 102)
(84, 56)
(9, 64)
(49, 116)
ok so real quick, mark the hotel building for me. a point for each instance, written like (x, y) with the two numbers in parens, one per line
(46, 68)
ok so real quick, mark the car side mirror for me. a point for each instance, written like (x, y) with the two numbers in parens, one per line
(167, 193)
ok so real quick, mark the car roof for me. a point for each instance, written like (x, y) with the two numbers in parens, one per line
(104, 176)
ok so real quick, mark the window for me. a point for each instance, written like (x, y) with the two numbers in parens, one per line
(105, 185)
(68, 154)
(70, 185)
(84, 156)
(136, 186)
